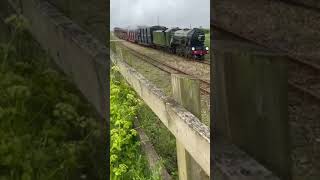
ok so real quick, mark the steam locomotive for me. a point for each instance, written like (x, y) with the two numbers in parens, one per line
(184, 42)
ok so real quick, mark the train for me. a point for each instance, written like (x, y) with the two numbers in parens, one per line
(184, 42)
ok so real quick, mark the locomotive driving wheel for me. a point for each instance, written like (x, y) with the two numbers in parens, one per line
(185, 54)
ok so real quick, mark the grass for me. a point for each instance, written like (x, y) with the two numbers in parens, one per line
(207, 44)
(161, 138)
(207, 40)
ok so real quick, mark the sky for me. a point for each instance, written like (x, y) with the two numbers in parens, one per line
(171, 13)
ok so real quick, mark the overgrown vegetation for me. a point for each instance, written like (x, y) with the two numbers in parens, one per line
(48, 131)
(161, 138)
(207, 31)
(127, 161)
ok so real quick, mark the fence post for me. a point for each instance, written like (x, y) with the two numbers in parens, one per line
(186, 91)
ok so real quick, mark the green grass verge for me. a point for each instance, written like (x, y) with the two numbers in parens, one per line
(207, 40)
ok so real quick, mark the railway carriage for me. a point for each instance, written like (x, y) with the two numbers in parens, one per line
(121, 33)
(141, 34)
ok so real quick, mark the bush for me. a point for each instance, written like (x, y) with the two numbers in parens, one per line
(47, 130)
(126, 158)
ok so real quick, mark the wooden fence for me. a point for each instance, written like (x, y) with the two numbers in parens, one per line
(192, 136)
(84, 59)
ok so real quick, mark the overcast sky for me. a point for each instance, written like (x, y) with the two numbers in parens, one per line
(171, 13)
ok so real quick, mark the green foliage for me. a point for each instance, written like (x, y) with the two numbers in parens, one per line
(126, 159)
(18, 22)
(207, 41)
(47, 130)
(206, 31)
(161, 138)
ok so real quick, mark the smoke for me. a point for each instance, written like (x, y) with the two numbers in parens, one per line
(171, 13)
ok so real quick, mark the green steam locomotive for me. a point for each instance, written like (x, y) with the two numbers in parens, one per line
(184, 42)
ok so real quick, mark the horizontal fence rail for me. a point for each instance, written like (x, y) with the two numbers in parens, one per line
(194, 135)
(77, 53)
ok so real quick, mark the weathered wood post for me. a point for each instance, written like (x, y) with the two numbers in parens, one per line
(251, 100)
(186, 91)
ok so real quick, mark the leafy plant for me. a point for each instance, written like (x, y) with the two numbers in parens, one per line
(18, 25)
(47, 130)
(126, 158)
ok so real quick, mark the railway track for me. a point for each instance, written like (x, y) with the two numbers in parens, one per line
(204, 85)
(186, 59)
(203, 62)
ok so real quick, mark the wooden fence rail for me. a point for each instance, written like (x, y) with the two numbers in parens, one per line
(186, 91)
(193, 135)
